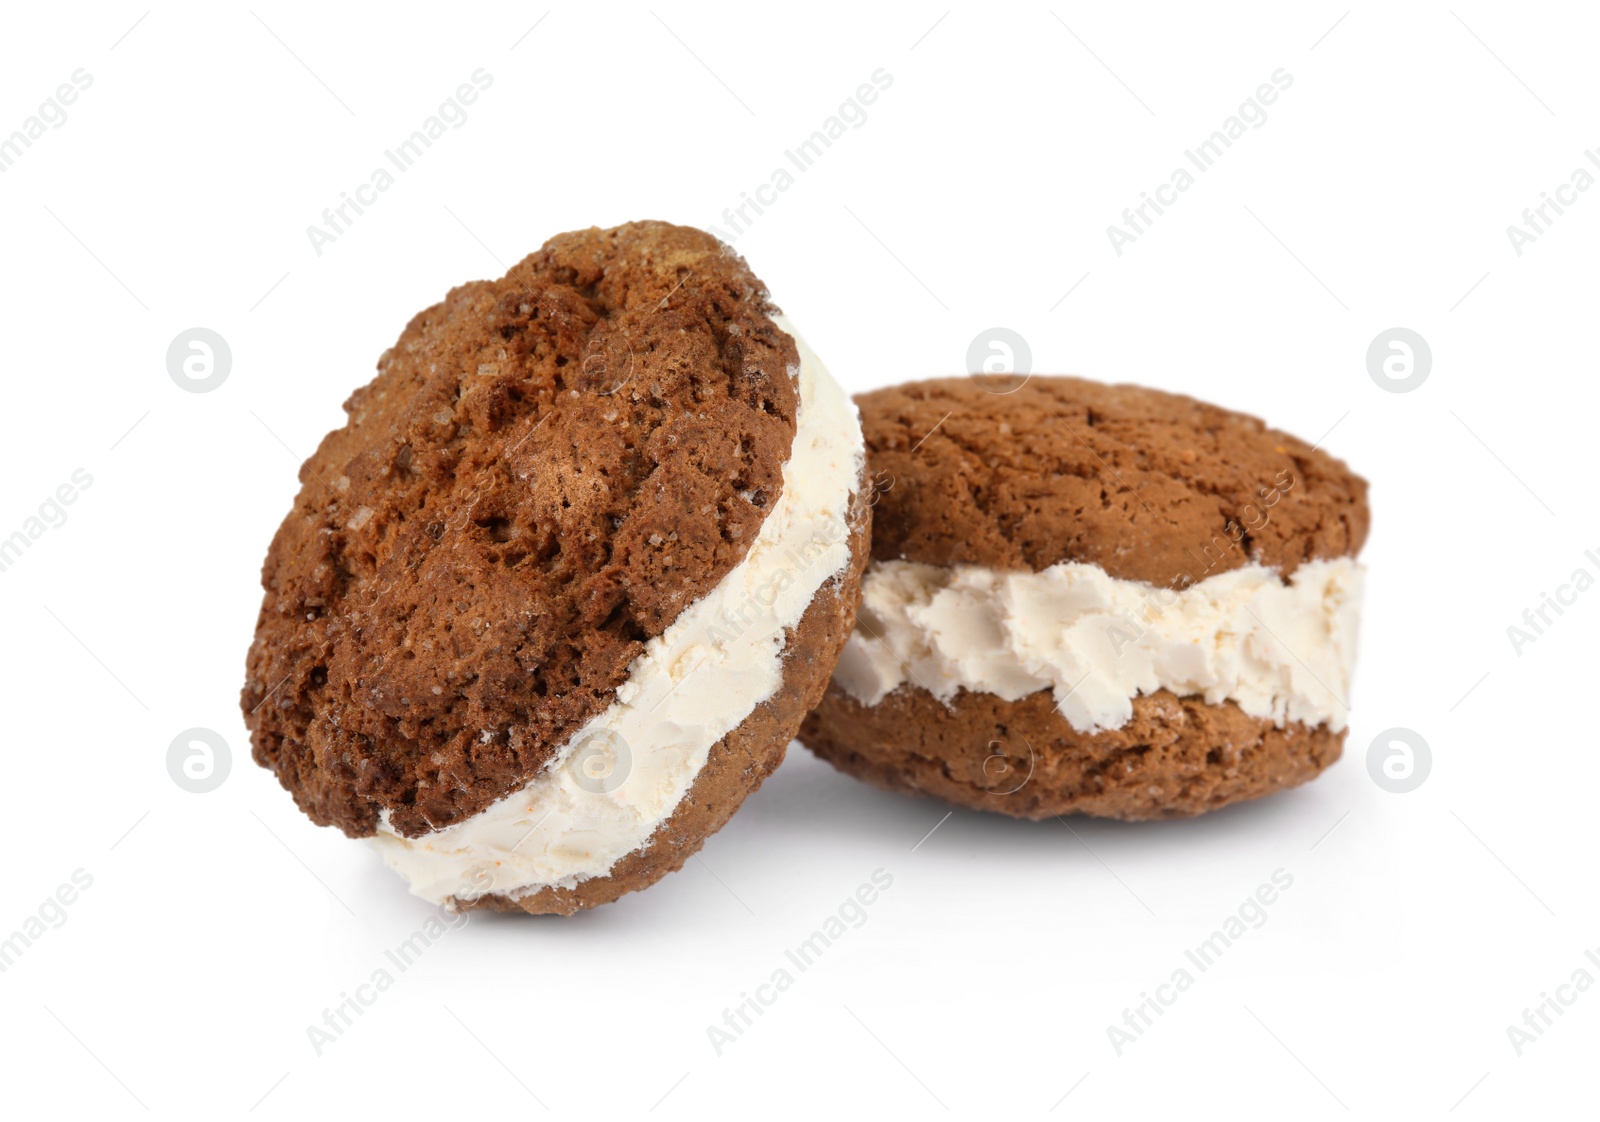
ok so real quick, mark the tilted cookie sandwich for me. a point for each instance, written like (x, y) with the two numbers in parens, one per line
(554, 600)
(1095, 599)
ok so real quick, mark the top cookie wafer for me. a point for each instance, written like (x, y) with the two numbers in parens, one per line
(1149, 486)
(546, 471)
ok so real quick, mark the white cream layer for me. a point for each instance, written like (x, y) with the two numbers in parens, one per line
(624, 773)
(1280, 650)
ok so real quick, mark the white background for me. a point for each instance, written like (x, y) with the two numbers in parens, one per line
(977, 193)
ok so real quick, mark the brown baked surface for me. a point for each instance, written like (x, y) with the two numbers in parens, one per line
(1176, 757)
(743, 759)
(546, 470)
(1147, 485)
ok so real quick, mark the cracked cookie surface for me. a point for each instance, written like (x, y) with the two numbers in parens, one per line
(1149, 486)
(546, 471)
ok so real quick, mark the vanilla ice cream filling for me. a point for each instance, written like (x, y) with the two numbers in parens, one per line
(623, 774)
(1279, 649)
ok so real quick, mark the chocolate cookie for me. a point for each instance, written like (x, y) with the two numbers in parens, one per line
(554, 599)
(1096, 599)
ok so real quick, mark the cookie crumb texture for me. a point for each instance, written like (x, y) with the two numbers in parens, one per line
(1149, 486)
(1175, 758)
(547, 469)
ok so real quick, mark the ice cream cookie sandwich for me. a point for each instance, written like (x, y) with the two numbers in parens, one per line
(554, 600)
(1096, 599)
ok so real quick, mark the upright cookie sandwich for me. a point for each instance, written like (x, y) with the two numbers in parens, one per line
(1096, 599)
(553, 601)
